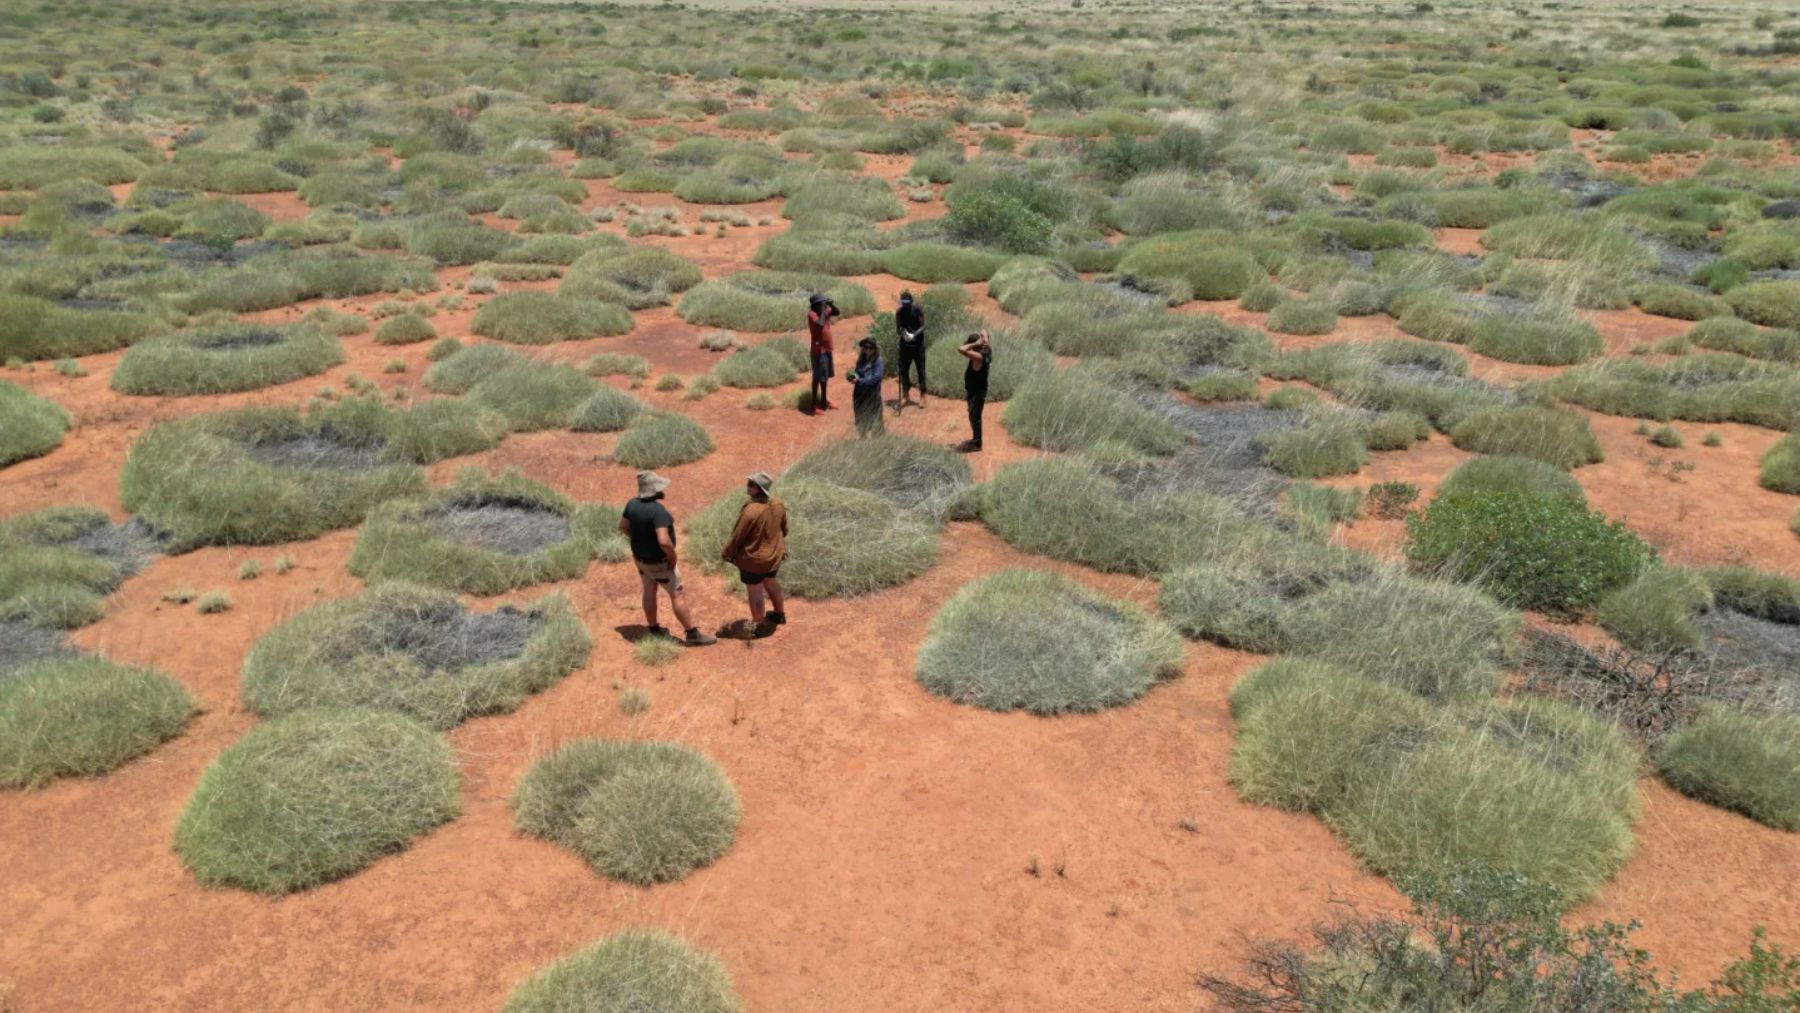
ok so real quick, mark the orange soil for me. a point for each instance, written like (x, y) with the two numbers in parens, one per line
(883, 860)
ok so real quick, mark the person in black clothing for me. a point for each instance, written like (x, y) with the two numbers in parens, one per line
(866, 378)
(909, 321)
(651, 529)
(980, 353)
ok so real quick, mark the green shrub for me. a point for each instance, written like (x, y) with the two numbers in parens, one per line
(414, 651)
(456, 241)
(639, 812)
(662, 439)
(32, 328)
(1317, 451)
(1743, 762)
(83, 717)
(530, 395)
(225, 359)
(1780, 468)
(1035, 641)
(1201, 264)
(1771, 597)
(998, 219)
(484, 536)
(635, 971)
(931, 263)
(768, 300)
(769, 364)
(1303, 316)
(1507, 474)
(608, 410)
(30, 426)
(313, 797)
(1536, 342)
(1557, 437)
(1770, 303)
(1547, 553)
(540, 318)
(1078, 409)
(637, 277)
(1729, 334)
(405, 329)
(258, 476)
(829, 553)
(1654, 613)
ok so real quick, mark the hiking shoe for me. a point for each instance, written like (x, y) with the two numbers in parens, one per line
(777, 618)
(695, 638)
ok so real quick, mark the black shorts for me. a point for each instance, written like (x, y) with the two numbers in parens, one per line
(752, 579)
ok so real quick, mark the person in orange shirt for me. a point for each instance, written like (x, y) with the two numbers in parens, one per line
(757, 545)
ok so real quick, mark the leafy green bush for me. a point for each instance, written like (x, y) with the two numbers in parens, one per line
(1547, 553)
(82, 717)
(662, 439)
(1502, 473)
(639, 812)
(414, 651)
(1078, 408)
(313, 797)
(999, 219)
(484, 536)
(258, 476)
(829, 553)
(1780, 468)
(540, 318)
(768, 300)
(30, 426)
(1557, 437)
(1743, 762)
(1036, 641)
(638, 970)
(225, 359)
(1655, 612)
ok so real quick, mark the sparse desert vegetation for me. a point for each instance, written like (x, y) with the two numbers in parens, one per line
(1391, 420)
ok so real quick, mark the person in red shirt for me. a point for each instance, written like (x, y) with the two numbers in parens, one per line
(818, 323)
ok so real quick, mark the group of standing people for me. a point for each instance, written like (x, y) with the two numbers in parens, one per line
(758, 542)
(870, 370)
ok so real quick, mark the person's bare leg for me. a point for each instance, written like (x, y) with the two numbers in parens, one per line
(678, 602)
(756, 602)
(649, 600)
(777, 601)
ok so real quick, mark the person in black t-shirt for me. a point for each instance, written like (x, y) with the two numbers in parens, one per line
(979, 350)
(909, 321)
(651, 529)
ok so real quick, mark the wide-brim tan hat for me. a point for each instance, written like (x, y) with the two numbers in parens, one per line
(762, 481)
(650, 483)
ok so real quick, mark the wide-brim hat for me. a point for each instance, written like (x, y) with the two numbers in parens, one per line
(762, 480)
(650, 483)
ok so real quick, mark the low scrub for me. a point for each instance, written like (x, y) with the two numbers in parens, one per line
(1747, 763)
(258, 476)
(405, 329)
(57, 565)
(414, 651)
(540, 318)
(1079, 408)
(1509, 474)
(30, 426)
(1729, 334)
(637, 970)
(1536, 342)
(607, 410)
(225, 359)
(1654, 614)
(1780, 468)
(1198, 265)
(769, 364)
(1771, 597)
(1697, 388)
(531, 395)
(1325, 448)
(1547, 553)
(638, 812)
(1770, 303)
(1043, 643)
(829, 552)
(768, 300)
(1551, 435)
(484, 536)
(661, 440)
(32, 328)
(83, 717)
(636, 278)
(910, 473)
(314, 797)
(931, 263)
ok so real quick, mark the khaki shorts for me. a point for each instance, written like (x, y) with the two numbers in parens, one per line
(662, 573)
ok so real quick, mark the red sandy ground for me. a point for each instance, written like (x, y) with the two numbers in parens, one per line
(883, 862)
